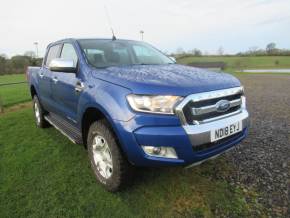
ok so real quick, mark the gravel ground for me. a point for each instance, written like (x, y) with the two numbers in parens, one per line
(262, 160)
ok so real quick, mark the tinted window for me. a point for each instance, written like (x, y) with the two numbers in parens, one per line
(68, 52)
(52, 53)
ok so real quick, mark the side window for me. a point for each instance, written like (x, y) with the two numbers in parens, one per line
(52, 53)
(68, 52)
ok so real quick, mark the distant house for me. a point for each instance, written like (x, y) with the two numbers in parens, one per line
(215, 66)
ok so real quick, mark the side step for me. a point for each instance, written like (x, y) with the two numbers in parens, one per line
(65, 128)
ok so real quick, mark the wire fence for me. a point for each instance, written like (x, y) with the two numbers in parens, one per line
(9, 97)
(14, 83)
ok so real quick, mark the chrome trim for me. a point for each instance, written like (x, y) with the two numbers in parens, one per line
(212, 108)
(200, 134)
(220, 117)
(62, 65)
(204, 96)
(55, 80)
(80, 86)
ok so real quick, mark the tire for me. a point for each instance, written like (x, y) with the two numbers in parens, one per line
(111, 168)
(39, 113)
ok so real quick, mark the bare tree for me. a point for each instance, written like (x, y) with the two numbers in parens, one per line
(220, 51)
(30, 54)
(180, 51)
(271, 47)
(253, 49)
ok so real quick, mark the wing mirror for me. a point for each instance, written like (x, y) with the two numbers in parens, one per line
(63, 65)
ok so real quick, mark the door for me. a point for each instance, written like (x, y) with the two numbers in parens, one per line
(45, 77)
(64, 94)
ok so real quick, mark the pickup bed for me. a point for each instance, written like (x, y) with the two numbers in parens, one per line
(131, 105)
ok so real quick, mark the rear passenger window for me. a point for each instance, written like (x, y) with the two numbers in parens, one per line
(52, 53)
(68, 52)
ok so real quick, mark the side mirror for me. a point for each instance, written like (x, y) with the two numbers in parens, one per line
(173, 59)
(63, 65)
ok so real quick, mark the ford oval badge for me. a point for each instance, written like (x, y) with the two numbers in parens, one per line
(222, 106)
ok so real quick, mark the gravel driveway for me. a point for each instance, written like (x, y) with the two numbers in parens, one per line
(262, 160)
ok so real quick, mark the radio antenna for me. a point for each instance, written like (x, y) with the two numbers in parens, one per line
(110, 23)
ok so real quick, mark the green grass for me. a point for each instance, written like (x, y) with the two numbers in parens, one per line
(12, 78)
(235, 63)
(13, 94)
(42, 174)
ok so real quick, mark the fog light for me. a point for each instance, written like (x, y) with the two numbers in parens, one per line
(168, 152)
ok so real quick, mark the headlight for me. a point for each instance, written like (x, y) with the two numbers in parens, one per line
(153, 104)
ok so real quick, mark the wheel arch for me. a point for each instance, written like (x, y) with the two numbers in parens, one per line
(92, 114)
(33, 91)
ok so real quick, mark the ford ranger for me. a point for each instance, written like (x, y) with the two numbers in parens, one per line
(130, 105)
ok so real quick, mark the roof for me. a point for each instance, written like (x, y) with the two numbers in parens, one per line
(75, 39)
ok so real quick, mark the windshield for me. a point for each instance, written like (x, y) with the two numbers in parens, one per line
(103, 53)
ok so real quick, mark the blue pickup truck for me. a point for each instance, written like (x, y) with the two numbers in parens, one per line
(130, 105)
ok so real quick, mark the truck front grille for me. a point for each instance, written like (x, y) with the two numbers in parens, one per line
(205, 107)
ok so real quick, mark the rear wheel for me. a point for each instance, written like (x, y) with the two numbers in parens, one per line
(39, 113)
(110, 166)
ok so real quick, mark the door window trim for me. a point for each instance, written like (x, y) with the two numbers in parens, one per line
(57, 56)
(73, 48)
(78, 59)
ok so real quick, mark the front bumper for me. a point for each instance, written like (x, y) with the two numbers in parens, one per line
(191, 142)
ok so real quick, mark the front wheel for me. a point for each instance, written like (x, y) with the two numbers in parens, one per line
(110, 166)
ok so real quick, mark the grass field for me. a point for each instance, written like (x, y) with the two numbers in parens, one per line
(42, 174)
(13, 94)
(12, 78)
(238, 63)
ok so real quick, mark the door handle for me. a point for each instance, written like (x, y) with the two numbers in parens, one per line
(55, 79)
(79, 86)
(41, 75)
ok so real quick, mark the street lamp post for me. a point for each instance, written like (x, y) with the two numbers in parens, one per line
(36, 47)
(142, 33)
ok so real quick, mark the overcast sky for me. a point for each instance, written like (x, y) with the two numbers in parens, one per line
(235, 25)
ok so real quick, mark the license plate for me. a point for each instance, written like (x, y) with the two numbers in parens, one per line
(224, 132)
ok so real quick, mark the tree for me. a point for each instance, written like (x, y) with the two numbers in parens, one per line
(4, 56)
(30, 54)
(2, 64)
(197, 52)
(220, 51)
(253, 49)
(180, 51)
(270, 48)
(19, 63)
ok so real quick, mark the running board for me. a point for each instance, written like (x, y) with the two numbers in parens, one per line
(67, 129)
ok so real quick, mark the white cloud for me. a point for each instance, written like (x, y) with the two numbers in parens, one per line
(168, 24)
